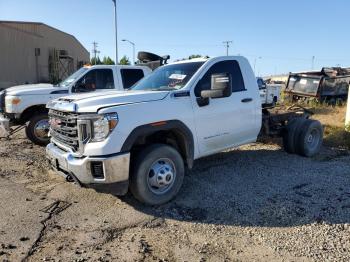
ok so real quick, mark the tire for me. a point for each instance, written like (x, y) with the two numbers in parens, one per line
(153, 162)
(38, 134)
(310, 138)
(291, 135)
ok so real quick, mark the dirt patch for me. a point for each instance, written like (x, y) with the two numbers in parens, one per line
(255, 203)
(330, 115)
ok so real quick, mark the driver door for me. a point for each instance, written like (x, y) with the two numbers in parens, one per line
(224, 122)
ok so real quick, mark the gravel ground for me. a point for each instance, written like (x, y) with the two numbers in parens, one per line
(253, 203)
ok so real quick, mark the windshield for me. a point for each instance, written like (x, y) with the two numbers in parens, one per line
(72, 77)
(169, 77)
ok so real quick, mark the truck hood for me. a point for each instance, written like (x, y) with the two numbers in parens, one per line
(35, 89)
(92, 102)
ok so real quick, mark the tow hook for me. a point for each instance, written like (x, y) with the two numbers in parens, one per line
(70, 179)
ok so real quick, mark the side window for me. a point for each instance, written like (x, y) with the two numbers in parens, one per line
(104, 79)
(231, 67)
(131, 76)
(95, 79)
(87, 83)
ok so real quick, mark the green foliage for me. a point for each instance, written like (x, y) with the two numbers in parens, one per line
(124, 61)
(105, 61)
(96, 61)
(108, 61)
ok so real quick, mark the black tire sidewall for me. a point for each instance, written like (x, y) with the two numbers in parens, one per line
(301, 143)
(291, 135)
(143, 161)
(30, 129)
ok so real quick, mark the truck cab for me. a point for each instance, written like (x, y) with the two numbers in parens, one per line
(27, 103)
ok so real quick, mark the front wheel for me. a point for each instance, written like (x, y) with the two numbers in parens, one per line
(37, 129)
(157, 174)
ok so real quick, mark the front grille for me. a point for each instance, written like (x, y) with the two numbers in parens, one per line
(64, 128)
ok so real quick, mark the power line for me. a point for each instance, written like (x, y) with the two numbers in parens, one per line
(227, 43)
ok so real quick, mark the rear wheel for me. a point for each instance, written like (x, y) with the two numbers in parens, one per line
(310, 138)
(291, 134)
(37, 129)
(157, 174)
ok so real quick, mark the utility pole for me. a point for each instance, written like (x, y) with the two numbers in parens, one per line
(313, 63)
(116, 31)
(95, 51)
(227, 44)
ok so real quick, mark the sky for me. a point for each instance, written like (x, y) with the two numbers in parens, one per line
(277, 36)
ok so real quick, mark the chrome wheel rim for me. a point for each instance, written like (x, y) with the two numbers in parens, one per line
(313, 139)
(41, 129)
(161, 176)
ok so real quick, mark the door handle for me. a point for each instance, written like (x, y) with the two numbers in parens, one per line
(247, 100)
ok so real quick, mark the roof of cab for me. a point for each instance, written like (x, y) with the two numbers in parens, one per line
(200, 59)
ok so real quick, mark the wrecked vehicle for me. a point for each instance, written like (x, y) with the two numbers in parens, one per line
(329, 85)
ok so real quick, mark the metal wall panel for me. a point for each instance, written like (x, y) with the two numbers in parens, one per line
(18, 41)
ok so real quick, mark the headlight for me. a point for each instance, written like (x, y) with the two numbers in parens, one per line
(103, 126)
(13, 100)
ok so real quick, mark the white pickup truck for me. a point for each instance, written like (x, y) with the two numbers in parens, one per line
(26, 104)
(144, 138)
(269, 93)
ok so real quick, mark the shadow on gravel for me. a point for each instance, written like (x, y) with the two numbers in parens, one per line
(266, 188)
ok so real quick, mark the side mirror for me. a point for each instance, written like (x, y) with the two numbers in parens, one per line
(221, 86)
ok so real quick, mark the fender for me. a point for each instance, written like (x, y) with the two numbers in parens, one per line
(171, 125)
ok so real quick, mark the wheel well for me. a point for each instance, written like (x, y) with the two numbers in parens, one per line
(173, 133)
(33, 110)
(173, 138)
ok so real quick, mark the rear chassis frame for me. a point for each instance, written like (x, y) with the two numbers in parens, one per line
(275, 120)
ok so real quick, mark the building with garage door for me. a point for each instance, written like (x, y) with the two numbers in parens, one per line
(37, 53)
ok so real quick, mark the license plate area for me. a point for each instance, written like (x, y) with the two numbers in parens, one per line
(58, 162)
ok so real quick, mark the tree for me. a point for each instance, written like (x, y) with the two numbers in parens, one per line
(96, 61)
(108, 61)
(124, 61)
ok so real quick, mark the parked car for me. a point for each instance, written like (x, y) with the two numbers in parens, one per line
(330, 85)
(144, 138)
(269, 93)
(26, 104)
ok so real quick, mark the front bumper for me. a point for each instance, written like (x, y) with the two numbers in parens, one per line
(4, 126)
(115, 169)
